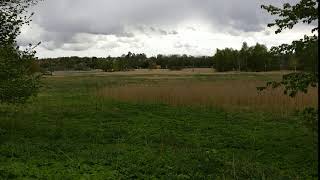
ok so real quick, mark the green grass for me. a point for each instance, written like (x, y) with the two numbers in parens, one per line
(69, 133)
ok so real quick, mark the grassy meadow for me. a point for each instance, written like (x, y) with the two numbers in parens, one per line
(158, 126)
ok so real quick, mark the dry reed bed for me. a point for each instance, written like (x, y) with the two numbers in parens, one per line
(226, 94)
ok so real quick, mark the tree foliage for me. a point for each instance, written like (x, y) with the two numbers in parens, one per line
(306, 48)
(125, 62)
(18, 81)
(254, 58)
(305, 11)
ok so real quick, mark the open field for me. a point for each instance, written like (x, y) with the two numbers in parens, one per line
(157, 126)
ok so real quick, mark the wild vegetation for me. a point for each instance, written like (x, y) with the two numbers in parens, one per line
(227, 94)
(175, 124)
(70, 132)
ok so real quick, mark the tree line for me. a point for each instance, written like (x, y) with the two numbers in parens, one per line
(255, 58)
(125, 62)
(258, 58)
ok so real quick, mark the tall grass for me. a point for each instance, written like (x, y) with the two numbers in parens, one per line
(228, 94)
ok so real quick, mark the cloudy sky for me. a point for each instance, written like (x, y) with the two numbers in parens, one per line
(114, 27)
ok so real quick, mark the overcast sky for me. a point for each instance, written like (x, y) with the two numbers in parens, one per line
(114, 27)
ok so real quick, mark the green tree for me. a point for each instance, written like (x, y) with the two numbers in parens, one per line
(106, 65)
(18, 80)
(294, 63)
(226, 59)
(258, 58)
(243, 57)
(305, 11)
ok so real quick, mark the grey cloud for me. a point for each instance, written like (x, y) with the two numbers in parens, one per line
(24, 42)
(137, 45)
(51, 45)
(191, 28)
(164, 32)
(54, 40)
(125, 34)
(63, 20)
(110, 45)
(173, 32)
(127, 40)
(76, 47)
(267, 33)
(110, 17)
(244, 15)
(103, 17)
(184, 45)
(151, 30)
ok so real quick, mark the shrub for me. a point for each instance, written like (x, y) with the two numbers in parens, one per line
(18, 77)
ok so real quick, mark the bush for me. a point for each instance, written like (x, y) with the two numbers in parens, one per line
(81, 67)
(18, 76)
(310, 118)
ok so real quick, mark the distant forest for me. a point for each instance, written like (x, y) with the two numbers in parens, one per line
(251, 59)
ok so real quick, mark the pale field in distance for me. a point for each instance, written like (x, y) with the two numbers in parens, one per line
(188, 71)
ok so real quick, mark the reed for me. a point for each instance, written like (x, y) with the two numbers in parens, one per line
(229, 94)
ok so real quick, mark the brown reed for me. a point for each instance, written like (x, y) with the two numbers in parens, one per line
(227, 94)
